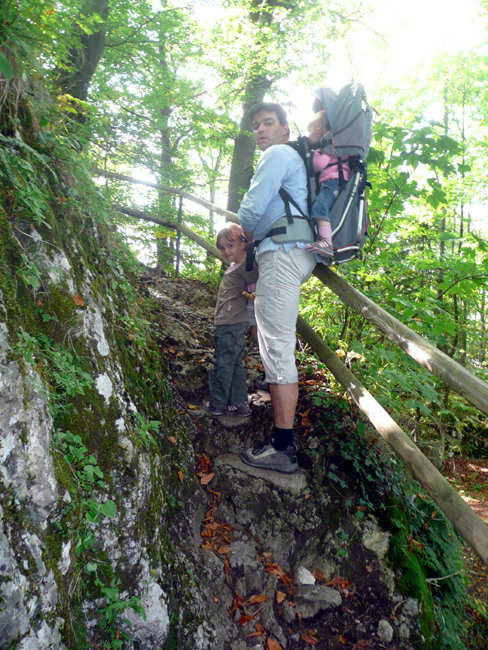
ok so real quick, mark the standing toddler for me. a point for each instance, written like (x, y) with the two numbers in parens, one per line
(227, 378)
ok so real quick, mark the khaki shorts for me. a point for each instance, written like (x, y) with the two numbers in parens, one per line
(277, 296)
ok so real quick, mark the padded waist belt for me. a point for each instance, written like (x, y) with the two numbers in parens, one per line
(292, 228)
(299, 229)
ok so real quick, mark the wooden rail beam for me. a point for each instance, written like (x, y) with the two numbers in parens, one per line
(467, 522)
(452, 373)
(230, 216)
(172, 224)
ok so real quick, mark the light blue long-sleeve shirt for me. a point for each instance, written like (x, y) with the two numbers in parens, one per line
(279, 166)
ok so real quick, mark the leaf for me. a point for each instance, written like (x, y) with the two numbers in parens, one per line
(237, 603)
(259, 631)
(318, 575)
(257, 598)
(309, 637)
(172, 439)
(305, 419)
(280, 596)
(109, 508)
(338, 581)
(272, 644)
(206, 478)
(78, 300)
(191, 406)
(225, 549)
(6, 68)
(180, 475)
(245, 619)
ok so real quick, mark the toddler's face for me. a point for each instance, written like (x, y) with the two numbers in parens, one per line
(315, 133)
(316, 128)
(234, 250)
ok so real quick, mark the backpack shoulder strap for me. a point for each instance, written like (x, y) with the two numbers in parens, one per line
(287, 199)
(302, 147)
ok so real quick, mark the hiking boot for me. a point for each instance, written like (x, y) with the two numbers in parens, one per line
(267, 457)
(242, 410)
(322, 247)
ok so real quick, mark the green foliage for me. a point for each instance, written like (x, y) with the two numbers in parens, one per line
(29, 196)
(145, 430)
(424, 547)
(63, 369)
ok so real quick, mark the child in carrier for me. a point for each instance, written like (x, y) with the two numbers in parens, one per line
(227, 378)
(329, 169)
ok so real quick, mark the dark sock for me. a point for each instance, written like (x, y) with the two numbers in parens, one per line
(282, 438)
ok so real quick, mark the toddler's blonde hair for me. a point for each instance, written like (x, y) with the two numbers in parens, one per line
(230, 231)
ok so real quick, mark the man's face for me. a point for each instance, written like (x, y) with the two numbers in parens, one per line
(267, 130)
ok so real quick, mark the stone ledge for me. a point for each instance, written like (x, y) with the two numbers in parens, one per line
(295, 483)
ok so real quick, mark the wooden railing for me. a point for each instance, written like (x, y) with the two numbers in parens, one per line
(465, 520)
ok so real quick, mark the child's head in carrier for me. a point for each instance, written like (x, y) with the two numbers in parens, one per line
(318, 127)
(232, 243)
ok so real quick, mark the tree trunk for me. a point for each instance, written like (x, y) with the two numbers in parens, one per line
(84, 59)
(241, 169)
(164, 246)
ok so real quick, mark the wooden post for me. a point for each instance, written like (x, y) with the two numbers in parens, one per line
(427, 355)
(467, 522)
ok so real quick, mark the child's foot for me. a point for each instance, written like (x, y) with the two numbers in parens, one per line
(215, 411)
(322, 247)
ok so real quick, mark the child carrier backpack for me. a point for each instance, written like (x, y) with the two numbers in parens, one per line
(350, 123)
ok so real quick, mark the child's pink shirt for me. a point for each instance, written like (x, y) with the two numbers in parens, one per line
(320, 162)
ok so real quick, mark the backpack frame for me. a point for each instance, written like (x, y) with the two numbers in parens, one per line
(350, 122)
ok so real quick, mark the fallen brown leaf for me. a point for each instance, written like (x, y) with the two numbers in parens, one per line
(205, 480)
(245, 619)
(257, 598)
(272, 644)
(172, 439)
(224, 549)
(78, 300)
(259, 631)
(318, 575)
(237, 603)
(309, 637)
(280, 596)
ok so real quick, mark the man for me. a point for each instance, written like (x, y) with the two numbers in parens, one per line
(283, 267)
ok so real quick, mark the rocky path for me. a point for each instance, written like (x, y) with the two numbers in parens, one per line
(272, 545)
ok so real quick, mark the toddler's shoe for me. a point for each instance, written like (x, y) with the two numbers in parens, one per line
(215, 411)
(242, 410)
(322, 247)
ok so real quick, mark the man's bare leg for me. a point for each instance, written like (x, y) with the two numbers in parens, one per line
(284, 398)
